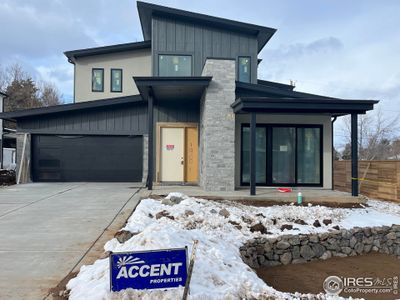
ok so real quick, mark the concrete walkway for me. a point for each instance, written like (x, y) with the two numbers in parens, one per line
(45, 229)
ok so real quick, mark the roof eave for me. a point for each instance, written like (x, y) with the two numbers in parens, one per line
(15, 115)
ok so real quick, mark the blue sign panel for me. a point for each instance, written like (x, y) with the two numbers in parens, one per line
(158, 269)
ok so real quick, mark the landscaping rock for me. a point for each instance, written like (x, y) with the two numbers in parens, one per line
(326, 255)
(286, 226)
(298, 261)
(286, 258)
(336, 227)
(391, 236)
(213, 211)
(353, 242)
(327, 221)
(306, 252)
(161, 214)
(167, 202)
(300, 222)
(318, 250)
(176, 199)
(224, 212)
(282, 245)
(123, 235)
(296, 252)
(258, 227)
(317, 223)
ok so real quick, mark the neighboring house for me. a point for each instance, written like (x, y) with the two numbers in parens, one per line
(185, 106)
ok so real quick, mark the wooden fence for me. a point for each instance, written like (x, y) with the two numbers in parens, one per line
(378, 179)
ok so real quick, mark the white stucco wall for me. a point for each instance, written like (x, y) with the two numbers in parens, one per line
(133, 63)
(325, 121)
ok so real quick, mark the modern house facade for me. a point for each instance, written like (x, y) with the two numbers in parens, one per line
(185, 106)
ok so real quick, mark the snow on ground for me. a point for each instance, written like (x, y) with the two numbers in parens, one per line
(219, 271)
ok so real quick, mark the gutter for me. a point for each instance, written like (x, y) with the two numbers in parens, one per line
(333, 151)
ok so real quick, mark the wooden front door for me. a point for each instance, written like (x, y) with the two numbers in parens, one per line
(191, 154)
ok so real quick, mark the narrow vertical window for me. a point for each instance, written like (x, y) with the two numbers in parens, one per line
(244, 69)
(116, 80)
(97, 80)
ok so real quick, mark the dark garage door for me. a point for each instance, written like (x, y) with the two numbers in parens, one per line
(87, 158)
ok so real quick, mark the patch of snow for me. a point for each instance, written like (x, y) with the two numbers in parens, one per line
(219, 272)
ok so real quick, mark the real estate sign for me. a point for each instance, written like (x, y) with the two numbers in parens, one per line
(157, 269)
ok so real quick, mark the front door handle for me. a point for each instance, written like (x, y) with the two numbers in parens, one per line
(182, 161)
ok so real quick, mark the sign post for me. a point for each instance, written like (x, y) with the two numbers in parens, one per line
(191, 265)
(159, 269)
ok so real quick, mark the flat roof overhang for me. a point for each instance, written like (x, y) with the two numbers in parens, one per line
(172, 88)
(333, 107)
(126, 100)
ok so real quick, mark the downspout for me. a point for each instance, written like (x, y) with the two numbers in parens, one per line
(333, 151)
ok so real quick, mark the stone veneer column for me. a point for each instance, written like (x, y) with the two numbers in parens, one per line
(145, 157)
(217, 127)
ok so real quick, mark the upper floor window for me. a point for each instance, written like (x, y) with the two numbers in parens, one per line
(174, 65)
(244, 74)
(116, 80)
(97, 80)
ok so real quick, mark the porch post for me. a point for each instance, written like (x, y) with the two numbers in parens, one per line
(150, 141)
(253, 154)
(354, 155)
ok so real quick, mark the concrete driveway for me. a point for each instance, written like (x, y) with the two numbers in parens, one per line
(46, 228)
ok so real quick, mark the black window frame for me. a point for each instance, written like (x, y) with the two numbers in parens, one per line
(175, 54)
(102, 82)
(111, 79)
(238, 68)
(269, 159)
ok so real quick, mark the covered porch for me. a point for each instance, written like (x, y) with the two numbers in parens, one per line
(323, 106)
(265, 195)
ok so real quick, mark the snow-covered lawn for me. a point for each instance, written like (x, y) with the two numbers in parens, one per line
(219, 271)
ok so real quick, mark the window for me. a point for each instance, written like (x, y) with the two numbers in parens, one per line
(97, 80)
(244, 69)
(116, 80)
(174, 65)
(285, 155)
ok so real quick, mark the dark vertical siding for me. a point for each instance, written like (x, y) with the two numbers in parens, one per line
(123, 120)
(176, 36)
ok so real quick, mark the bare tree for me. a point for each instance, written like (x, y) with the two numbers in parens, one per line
(49, 95)
(375, 133)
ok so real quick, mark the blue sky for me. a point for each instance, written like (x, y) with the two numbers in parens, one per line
(347, 49)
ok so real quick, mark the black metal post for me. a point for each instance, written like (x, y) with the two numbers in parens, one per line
(354, 155)
(150, 141)
(253, 154)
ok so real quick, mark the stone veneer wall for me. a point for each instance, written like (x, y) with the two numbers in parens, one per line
(145, 157)
(217, 127)
(302, 248)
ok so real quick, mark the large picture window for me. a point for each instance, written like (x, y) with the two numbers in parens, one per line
(244, 69)
(116, 80)
(97, 80)
(174, 65)
(287, 155)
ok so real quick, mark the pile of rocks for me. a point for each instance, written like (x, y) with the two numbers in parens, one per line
(302, 248)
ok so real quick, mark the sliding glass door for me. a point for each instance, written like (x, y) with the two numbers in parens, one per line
(261, 155)
(308, 155)
(283, 155)
(288, 155)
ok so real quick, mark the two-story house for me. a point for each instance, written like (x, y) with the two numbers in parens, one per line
(185, 106)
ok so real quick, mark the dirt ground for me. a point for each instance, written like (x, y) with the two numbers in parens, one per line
(309, 277)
